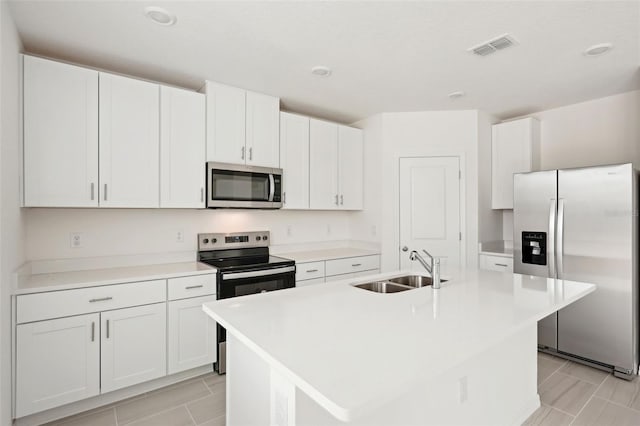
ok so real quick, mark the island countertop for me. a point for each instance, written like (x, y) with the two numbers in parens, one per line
(350, 349)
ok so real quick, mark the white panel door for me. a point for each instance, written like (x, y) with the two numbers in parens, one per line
(226, 108)
(294, 160)
(350, 167)
(129, 142)
(57, 362)
(263, 130)
(134, 346)
(430, 210)
(192, 334)
(60, 134)
(182, 148)
(323, 165)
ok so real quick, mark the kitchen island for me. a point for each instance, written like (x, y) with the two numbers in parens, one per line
(333, 353)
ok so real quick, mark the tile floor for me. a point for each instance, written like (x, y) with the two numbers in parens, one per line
(571, 394)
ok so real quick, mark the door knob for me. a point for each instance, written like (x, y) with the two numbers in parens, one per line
(405, 248)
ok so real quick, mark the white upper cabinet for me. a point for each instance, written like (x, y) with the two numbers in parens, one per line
(182, 148)
(350, 169)
(263, 130)
(129, 142)
(323, 165)
(226, 109)
(242, 127)
(515, 148)
(294, 160)
(60, 134)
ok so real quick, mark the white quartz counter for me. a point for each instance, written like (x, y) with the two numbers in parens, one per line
(497, 248)
(350, 349)
(326, 254)
(36, 283)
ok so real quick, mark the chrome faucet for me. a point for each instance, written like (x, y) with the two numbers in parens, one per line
(432, 267)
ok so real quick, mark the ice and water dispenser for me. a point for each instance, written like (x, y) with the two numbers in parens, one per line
(534, 248)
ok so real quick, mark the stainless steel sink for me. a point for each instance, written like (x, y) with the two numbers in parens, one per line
(414, 280)
(383, 287)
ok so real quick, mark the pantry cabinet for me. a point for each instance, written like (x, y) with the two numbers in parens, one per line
(242, 126)
(294, 160)
(129, 142)
(515, 148)
(58, 362)
(60, 107)
(182, 148)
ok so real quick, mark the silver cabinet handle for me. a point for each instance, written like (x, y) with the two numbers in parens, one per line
(336, 199)
(312, 270)
(107, 329)
(356, 264)
(242, 155)
(250, 154)
(101, 299)
(202, 195)
(92, 191)
(501, 264)
(189, 287)
(105, 192)
(93, 331)
(341, 199)
(284, 198)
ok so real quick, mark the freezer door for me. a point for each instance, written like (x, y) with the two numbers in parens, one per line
(596, 234)
(534, 214)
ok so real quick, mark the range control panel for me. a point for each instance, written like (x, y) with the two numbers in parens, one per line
(534, 248)
(233, 240)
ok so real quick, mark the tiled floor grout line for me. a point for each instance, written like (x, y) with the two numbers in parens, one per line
(617, 403)
(189, 412)
(554, 372)
(589, 400)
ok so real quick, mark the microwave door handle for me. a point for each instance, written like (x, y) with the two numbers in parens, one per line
(260, 273)
(272, 187)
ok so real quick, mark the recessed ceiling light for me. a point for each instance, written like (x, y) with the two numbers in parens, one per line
(321, 71)
(160, 16)
(598, 49)
(456, 95)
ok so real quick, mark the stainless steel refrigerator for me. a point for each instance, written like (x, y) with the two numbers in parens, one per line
(582, 225)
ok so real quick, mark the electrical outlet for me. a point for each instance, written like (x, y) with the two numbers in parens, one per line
(180, 237)
(463, 389)
(76, 239)
(289, 231)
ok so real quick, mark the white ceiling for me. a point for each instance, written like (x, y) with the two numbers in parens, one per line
(385, 56)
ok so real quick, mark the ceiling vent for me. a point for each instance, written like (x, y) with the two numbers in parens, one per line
(493, 45)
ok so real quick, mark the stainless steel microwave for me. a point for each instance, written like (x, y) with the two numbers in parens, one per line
(243, 187)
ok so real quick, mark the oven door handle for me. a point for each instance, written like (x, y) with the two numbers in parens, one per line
(261, 273)
(272, 187)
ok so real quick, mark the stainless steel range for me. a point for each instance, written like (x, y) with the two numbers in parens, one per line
(244, 267)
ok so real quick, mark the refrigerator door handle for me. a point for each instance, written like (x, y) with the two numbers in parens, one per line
(551, 256)
(560, 238)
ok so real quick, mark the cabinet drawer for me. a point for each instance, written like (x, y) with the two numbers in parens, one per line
(194, 286)
(352, 275)
(496, 263)
(55, 304)
(352, 264)
(310, 282)
(310, 270)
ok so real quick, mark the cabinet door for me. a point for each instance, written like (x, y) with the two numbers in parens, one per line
(294, 160)
(182, 148)
(129, 142)
(513, 150)
(57, 362)
(323, 165)
(60, 134)
(350, 167)
(263, 130)
(133, 345)
(192, 334)
(225, 124)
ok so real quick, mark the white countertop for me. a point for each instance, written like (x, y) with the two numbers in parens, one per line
(36, 283)
(497, 248)
(350, 349)
(326, 254)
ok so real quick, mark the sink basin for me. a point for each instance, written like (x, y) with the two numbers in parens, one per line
(414, 280)
(383, 287)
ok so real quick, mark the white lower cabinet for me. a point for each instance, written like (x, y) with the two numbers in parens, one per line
(352, 275)
(309, 273)
(134, 346)
(58, 362)
(496, 263)
(191, 334)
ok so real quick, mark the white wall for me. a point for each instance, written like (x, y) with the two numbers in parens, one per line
(489, 220)
(11, 219)
(109, 232)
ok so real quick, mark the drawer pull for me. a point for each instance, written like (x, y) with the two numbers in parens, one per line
(107, 329)
(504, 265)
(101, 299)
(312, 270)
(190, 287)
(93, 331)
(356, 264)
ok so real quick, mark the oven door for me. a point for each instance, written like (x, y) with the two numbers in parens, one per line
(233, 284)
(240, 186)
